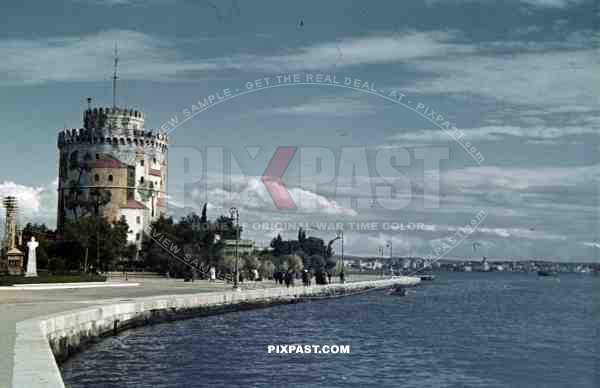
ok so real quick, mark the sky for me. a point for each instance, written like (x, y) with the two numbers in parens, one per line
(519, 80)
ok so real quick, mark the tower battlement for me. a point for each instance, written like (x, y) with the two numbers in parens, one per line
(150, 138)
(112, 117)
(114, 136)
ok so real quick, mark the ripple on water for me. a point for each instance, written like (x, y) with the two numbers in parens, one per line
(463, 330)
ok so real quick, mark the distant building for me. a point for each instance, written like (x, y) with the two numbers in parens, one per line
(370, 264)
(244, 247)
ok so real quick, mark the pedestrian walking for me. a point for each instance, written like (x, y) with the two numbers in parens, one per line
(305, 279)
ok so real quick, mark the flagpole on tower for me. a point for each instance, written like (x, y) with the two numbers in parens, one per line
(115, 77)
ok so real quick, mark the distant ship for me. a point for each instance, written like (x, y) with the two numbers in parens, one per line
(427, 277)
(547, 273)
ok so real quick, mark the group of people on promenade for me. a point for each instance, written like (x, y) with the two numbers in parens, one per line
(321, 278)
(282, 277)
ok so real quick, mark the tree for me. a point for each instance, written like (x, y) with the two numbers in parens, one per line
(82, 168)
(329, 251)
(98, 199)
(155, 257)
(251, 263)
(113, 243)
(294, 263)
(266, 269)
(203, 218)
(301, 236)
(81, 230)
(277, 245)
(317, 263)
(192, 237)
(130, 252)
(227, 229)
(109, 239)
(229, 263)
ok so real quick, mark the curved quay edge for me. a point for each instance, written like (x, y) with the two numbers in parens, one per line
(41, 341)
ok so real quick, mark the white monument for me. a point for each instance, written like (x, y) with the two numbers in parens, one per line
(31, 261)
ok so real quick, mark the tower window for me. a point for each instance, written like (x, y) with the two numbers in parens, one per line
(142, 180)
(96, 178)
(142, 162)
(97, 156)
(137, 237)
(151, 184)
(138, 220)
(110, 178)
(154, 160)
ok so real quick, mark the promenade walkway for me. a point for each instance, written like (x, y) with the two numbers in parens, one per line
(20, 305)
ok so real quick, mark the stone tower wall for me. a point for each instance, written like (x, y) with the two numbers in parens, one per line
(113, 143)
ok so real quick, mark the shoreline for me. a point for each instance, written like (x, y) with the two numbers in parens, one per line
(41, 341)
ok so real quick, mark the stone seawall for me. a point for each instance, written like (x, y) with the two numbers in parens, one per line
(41, 341)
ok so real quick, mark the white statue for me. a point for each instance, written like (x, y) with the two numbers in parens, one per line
(213, 274)
(31, 261)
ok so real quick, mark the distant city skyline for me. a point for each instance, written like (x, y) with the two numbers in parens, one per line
(518, 79)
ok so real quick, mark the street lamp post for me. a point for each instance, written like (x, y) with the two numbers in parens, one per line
(380, 254)
(340, 235)
(235, 214)
(390, 245)
(96, 198)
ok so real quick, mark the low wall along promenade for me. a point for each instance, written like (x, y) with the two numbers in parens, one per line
(41, 341)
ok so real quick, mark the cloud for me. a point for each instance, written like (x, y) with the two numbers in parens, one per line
(369, 50)
(36, 204)
(447, 67)
(111, 3)
(592, 244)
(250, 193)
(498, 132)
(491, 178)
(89, 57)
(533, 3)
(552, 3)
(547, 79)
(117, 3)
(329, 107)
(147, 57)
(513, 232)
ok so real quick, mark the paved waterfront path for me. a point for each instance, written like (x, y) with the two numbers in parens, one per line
(20, 305)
